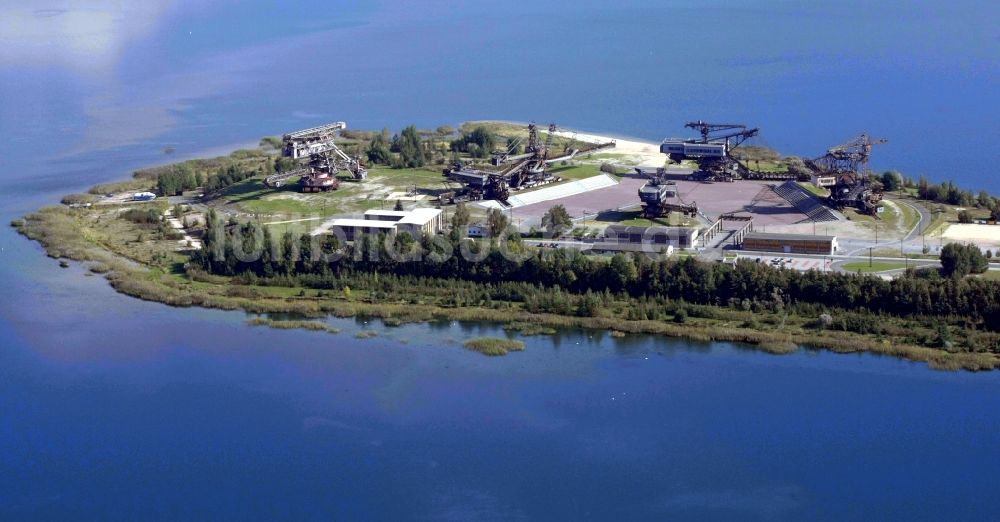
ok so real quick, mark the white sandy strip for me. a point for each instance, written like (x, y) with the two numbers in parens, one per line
(187, 241)
(648, 153)
(973, 232)
(557, 192)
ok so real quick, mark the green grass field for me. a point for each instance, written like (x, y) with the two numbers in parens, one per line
(575, 172)
(876, 266)
(814, 190)
(895, 221)
(634, 218)
(253, 196)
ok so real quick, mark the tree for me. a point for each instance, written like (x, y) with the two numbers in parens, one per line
(411, 147)
(964, 216)
(283, 164)
(960, 260)
(479, 143)
(460, 221)
(891, 181)
(378, 150)
(556, 220)
(496, 222)
(984, 200)
(270, 142)
(399, 205)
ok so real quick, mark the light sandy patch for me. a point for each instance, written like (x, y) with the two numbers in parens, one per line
(187, 242)
(403, 196)
(973, 232)
(291, 195)
(643, 154)
(841, 229)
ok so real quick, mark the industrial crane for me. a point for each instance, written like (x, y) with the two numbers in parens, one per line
(713, 151)
(518, 171)
(707, 130)
(325, 159)
(851, 158)
(847, 164)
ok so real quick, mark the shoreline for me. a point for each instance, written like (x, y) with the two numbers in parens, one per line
(134, 278)
(141, 260)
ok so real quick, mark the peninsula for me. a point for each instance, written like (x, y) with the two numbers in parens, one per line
(706, 238)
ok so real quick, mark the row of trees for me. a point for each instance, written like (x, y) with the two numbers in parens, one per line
(478, 143)
(408, 149)
(946, 192)
(183, 176)
(492, 262)
(411, 148)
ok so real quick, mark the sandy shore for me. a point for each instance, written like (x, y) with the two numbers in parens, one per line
(643, 154)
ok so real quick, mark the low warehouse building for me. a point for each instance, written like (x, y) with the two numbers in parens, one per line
(416, 222)
(351, 229)
(636, 239)
(790, 243)
(420, 221)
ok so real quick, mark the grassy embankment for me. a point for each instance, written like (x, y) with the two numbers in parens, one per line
(151, 269)
(895, 222)
(819, 192)
(634, 218)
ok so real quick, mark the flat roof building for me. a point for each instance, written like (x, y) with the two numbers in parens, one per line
(420, 221)
(790, 243)
(416, 222)
(385, 215)
(678, 237)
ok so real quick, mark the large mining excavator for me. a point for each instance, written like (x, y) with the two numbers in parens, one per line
(316, 147)
(659, 197)
(508, 171)
(847, 167)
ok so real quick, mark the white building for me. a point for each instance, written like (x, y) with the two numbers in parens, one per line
(416, 222)
(823, 181)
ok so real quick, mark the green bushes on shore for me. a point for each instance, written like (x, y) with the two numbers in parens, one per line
(772, 322)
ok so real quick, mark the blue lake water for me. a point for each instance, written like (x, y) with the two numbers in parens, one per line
(112, 408)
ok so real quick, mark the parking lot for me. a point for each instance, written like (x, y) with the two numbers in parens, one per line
(793, 263)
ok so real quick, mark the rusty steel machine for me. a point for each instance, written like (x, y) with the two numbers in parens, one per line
(847, 164)
(508, 171)
(713, 151)
(659, 197)
(317, 147)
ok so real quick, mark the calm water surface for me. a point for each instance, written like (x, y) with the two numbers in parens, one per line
(112, 408)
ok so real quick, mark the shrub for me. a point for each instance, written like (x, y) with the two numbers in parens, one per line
(961, 260)
(141, 216)
(824, 321)
(493, 346)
